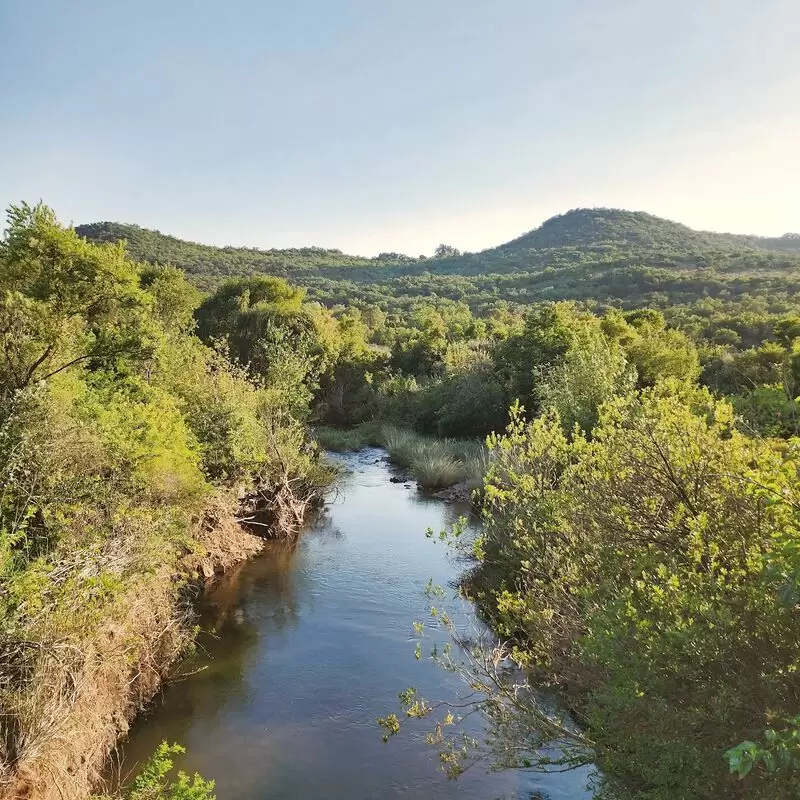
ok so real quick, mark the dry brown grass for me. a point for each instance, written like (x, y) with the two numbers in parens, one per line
(221, 541)
(81, 694)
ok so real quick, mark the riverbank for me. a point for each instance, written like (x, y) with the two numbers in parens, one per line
(88, 701)
(123, 438)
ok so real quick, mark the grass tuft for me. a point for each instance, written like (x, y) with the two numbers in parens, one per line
(437, 463)
(437, 470)
(403, 447)
(434, 463)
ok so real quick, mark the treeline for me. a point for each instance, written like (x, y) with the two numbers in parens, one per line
(124, 444)
(208, 266)
(440, 369)
(591, 226)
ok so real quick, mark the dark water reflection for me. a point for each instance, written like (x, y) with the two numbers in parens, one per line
(304, 647)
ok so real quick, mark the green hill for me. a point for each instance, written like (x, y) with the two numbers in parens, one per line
(591, 227)
(606, 255)
(207, 265)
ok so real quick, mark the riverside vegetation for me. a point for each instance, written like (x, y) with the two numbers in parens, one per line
(637, 382)
(125, 443)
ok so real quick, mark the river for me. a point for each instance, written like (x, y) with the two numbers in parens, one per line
(303, 647)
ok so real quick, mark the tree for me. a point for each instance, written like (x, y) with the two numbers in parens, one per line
(267, 328)
(174, 298)
(541, 343)
(658, 352)
(446, 251)
(64, 301)
(787, 329)
(594, 370)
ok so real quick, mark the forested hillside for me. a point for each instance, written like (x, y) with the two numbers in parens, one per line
(208, 265)
(585, 227)
(607, 256)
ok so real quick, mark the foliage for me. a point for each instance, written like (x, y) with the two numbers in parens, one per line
(767, 411)
(613, 257)
(658, 352)
(542, 341)
(651, 571)
(594, 370)
(154, 782)
(208, 263)
(64, 302)
(729, 303)
(779, 752)
(655, 606)
(117, 428)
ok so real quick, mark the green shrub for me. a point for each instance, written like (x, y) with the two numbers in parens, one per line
(767, 411)
(653, 570)
(154, 781)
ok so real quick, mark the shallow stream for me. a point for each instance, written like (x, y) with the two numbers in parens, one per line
(306, 645)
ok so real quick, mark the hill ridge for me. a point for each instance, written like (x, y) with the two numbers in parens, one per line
(599, 225)
(578, 227)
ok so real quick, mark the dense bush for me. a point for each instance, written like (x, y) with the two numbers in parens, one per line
(663, 608)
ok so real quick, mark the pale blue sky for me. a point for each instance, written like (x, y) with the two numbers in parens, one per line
(376, 125)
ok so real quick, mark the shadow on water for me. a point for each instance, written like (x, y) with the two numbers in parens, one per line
(301, 650)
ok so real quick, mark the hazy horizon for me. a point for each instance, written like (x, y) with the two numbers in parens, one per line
(396, 128)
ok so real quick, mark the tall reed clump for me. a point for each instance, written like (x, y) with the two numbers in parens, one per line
(433, 463)
(437, 470)
(476, 467)
(436, 463)
(403, 447)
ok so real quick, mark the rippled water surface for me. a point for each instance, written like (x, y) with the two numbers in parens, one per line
(305, 646)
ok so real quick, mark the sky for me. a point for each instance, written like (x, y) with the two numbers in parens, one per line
(395, 125)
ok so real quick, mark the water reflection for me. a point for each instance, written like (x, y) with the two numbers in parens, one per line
(266, 582)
